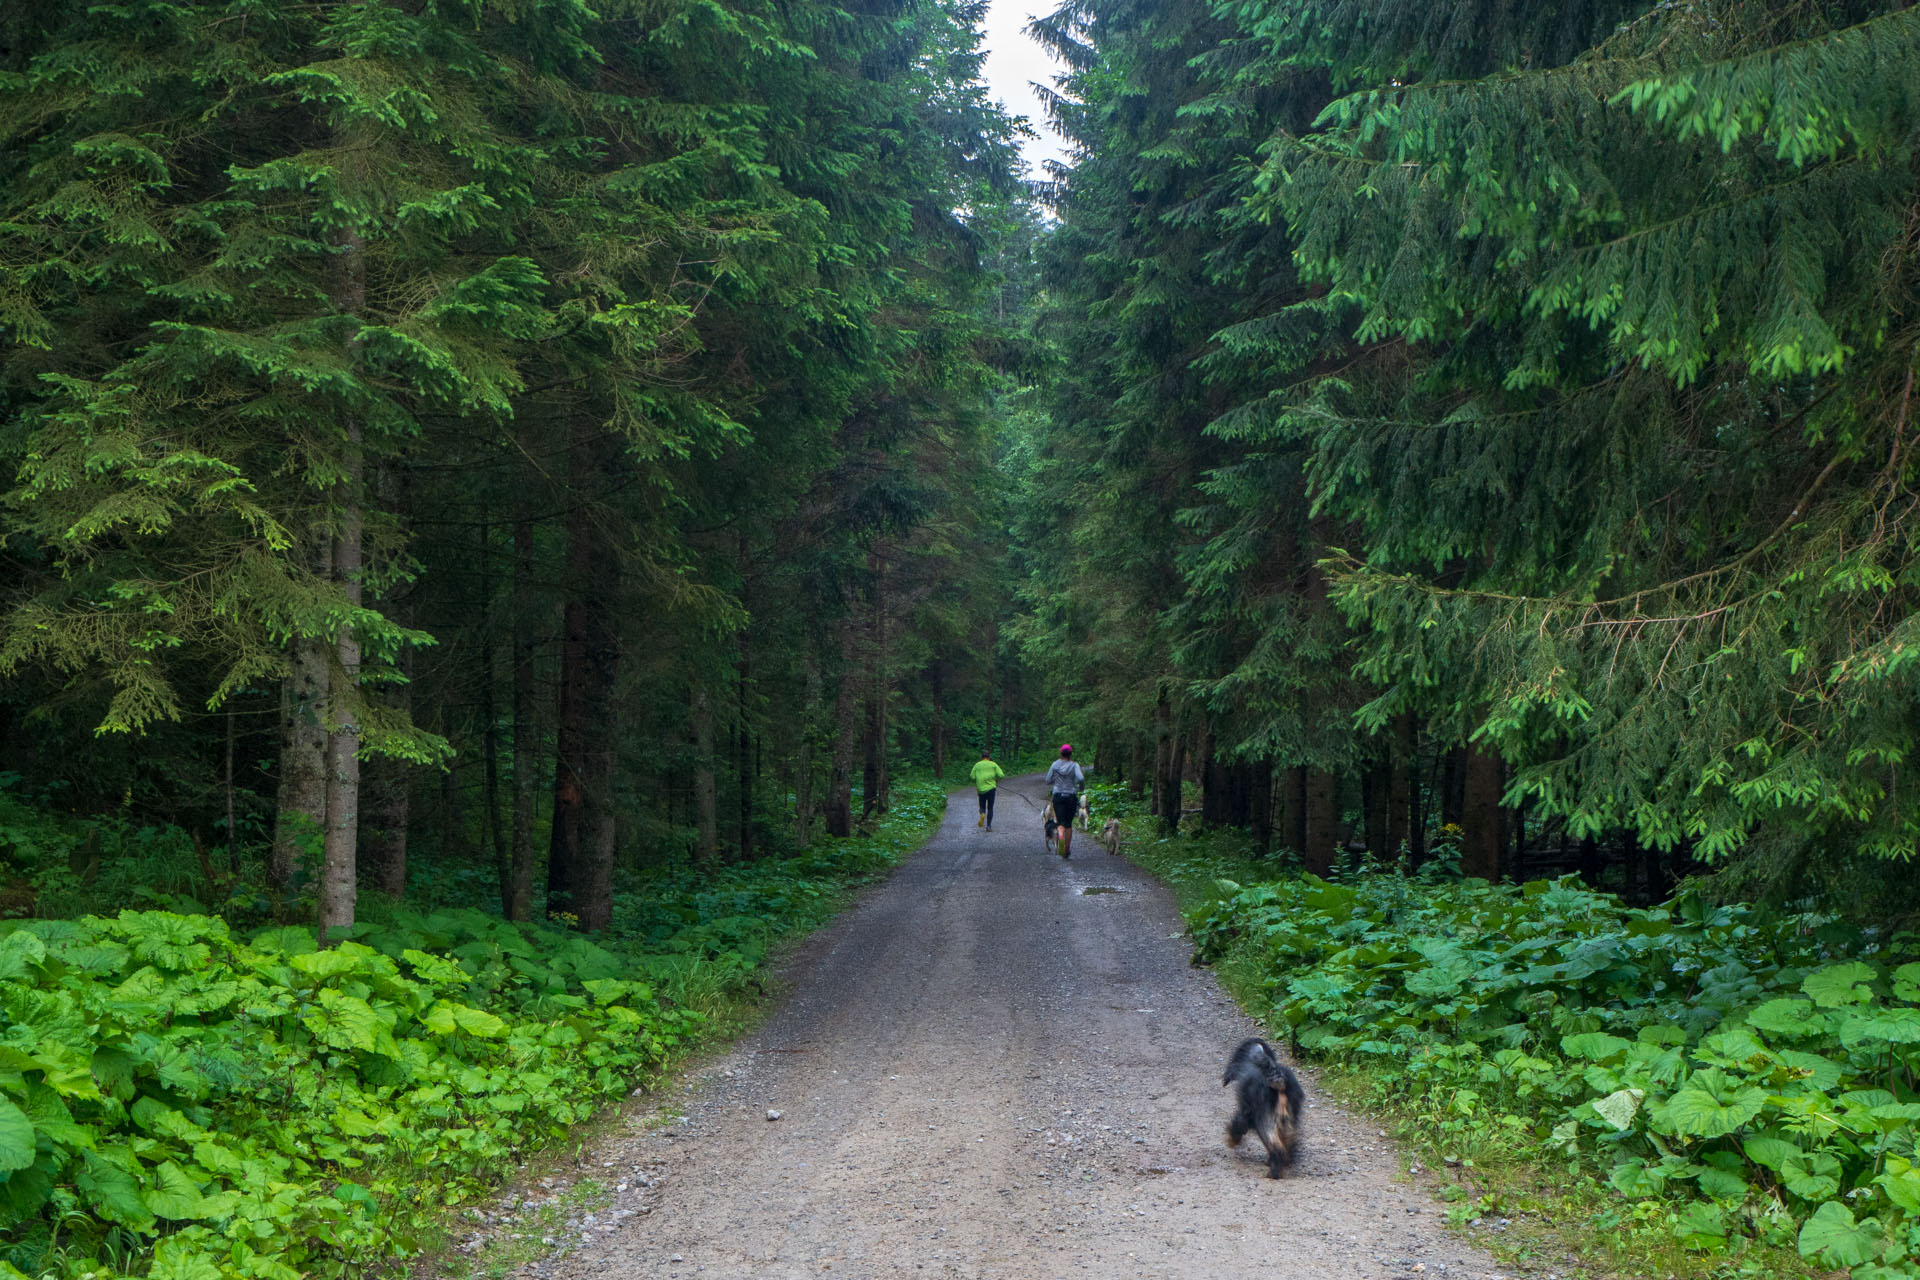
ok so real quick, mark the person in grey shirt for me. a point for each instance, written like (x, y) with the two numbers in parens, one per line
(1064, 780)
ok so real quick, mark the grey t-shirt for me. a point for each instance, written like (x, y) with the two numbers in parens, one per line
(1064, 778)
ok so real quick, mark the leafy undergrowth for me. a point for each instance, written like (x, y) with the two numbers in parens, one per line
(180, 1102)
(1693, 1089)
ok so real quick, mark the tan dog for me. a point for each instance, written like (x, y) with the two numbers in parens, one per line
(1110, 836)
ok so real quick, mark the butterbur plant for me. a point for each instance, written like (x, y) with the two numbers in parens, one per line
(1719, 1068)
(265, 1109)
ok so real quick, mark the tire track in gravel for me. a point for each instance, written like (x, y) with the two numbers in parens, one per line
(986, 1071)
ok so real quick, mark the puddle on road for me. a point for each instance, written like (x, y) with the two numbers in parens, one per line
(1100, 888)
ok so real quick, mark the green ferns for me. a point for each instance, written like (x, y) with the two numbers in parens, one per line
(1710, 1064)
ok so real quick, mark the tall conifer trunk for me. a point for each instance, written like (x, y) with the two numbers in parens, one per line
(1291, 805)
(1322, 832)
(803, 764)
(593, 895)
(347, 289)
(937, 693)
(300, 808)
(706, 802)
(845, 712)
(1483, 779)
(570, 745)
(743, 752)
(1401, 819)
(1260, 806)
(519, 898)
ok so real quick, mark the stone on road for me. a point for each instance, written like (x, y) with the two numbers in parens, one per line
(1001, 1065)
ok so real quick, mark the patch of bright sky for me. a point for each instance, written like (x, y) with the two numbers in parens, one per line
(1014, 61)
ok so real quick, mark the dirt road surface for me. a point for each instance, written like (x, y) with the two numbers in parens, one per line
(1000, 1065)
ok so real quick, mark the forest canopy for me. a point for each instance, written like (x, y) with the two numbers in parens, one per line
(1499, 416)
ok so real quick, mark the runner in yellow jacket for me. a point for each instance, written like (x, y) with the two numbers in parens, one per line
(986, 777)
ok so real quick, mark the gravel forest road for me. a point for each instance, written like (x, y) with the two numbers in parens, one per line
(999, 1065)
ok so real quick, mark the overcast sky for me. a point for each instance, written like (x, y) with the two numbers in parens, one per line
(1013, 62)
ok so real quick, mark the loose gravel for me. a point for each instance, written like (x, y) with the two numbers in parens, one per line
(999, 1065)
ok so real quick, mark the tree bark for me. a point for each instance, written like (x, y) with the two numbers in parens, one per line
(1401, 819)
(1260, 806)
(1376, 783)
(937, 689)
(300, 808)
(845, 710)
(593, 897)
(1162, 762)
(743, 757)
(569, 765)
(706, 801)
(1322, 832)
(1293, 809)
(803, 766)
(339, 885)
(519, 898)
(1480, 843)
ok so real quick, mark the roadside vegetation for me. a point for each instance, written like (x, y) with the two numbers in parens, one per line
(1686, 1088)
(187, 1100)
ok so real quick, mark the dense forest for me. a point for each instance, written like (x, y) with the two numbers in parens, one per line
(518, 435)
(510, 507)
(1498, 418)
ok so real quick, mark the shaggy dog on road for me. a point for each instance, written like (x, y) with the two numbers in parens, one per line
(1110, 836)
(1271, 1101)
(1050, 825)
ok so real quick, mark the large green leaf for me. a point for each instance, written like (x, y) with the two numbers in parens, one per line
(1770, 1153)
(344, 1021)
(1840, 984)
(1832, 1236)
(113, 1193)
(18, 951)
(16, 1134)
(1787, 1017)
(446, 1017)
(1594, 1046)
(172, 1194)
(1710, 1105)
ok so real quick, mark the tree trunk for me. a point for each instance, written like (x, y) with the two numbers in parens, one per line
(1176, 778)
(1136, 769)
(1376, 784)
(1168, 811)
(519, 903)
(1212, 779)
(491, 808)
(1401, 819)
(845, 711)
(1480, 842)
(1260, 806)
(593, 895)
(803, 767)
(1592, 865)
(1322, 832)
(706, 801)
(453, 827)
(300, 808)
(569, 764)
(1453, 787)
(339, 883)
(743, 757)
(1292, 805)
(937, 688)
